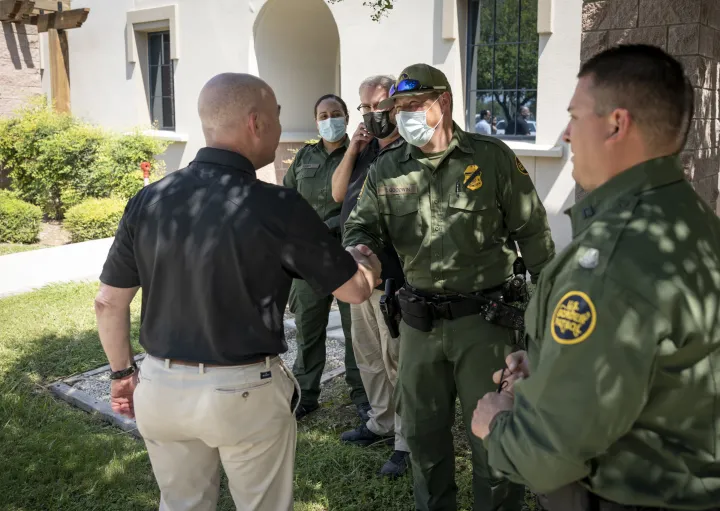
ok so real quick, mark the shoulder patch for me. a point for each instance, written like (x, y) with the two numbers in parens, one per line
(520, 166)
(574, 318)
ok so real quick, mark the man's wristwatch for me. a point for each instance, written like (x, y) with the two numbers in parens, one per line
(124, 373)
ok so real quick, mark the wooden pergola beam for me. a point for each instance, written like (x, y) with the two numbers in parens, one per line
(59, 69)
(50, 16)
(20, 11)
(51, 5)
(62, 20)
(15, 10)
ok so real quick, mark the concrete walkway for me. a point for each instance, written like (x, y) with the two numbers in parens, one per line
(25, 271)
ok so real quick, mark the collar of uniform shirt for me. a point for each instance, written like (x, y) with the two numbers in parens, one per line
(321, 147)
(459, 140)
(634, 181)
(225, 158)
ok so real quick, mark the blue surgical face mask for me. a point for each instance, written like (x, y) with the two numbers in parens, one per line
(413, 127)
(332, 129)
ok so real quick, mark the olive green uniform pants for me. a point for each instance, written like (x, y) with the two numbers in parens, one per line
(456, 359)
(311, 319)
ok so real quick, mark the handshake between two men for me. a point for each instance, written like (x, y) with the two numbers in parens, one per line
(368, 265)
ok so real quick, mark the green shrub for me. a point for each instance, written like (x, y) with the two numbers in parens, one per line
(94, 219)
(19, 220)
(56, 161)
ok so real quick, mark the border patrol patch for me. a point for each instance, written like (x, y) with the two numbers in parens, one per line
(574, 318)
(476, 182)
(520, 166)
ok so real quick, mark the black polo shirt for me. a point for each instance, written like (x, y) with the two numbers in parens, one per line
(391, 265)
(215, 251)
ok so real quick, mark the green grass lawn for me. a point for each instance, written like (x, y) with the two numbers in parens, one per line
(13, 248)
(55, 457)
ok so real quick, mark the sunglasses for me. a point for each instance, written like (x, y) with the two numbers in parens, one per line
(410, 85)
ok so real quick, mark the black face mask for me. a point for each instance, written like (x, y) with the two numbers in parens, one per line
(379, 124)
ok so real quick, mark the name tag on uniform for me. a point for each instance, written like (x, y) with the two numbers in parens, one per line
(398, 190)
(310, 166)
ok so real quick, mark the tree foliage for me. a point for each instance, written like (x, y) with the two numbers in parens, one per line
(380, 8)
(508, 45)
(56, 160)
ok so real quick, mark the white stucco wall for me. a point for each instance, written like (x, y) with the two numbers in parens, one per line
(214, 38)
(305, 48)
(411, 34)
(559, 63)
(296, 50)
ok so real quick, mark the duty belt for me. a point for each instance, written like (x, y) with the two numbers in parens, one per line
(421, 309)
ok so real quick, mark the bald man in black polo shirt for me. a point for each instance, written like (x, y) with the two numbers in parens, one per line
(215, 251)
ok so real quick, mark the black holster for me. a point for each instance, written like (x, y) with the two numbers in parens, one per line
(390, 308)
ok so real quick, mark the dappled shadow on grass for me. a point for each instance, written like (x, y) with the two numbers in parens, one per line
(334, 476)
(55, 457)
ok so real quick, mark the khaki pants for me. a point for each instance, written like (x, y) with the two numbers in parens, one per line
(194, 418)
(376, 354)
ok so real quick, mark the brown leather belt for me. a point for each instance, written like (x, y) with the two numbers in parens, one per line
(197, 364)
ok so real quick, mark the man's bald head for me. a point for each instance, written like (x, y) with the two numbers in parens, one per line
(228, 98)
(239, 112)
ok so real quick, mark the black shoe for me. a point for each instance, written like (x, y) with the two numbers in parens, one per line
(303, 410)
(364, 437)
(396, 466)
(363, 411)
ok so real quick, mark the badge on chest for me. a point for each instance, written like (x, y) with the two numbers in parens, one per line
(472, 177)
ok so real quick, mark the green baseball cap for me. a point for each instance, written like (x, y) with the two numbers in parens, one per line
(417, 80)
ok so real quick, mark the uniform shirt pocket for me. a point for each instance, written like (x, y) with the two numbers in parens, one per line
(472, 221)
(305, 176)
(402, 220)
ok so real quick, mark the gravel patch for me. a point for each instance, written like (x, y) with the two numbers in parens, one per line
(98, 385)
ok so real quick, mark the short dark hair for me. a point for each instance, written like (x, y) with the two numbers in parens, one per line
(483, 113)
(336, 98)
(648, 83)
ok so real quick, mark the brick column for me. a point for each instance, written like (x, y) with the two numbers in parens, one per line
(19, 65)
(689, 30)
(19, 71)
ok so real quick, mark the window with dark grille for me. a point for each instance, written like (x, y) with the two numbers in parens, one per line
(162, 89)
(502, 68)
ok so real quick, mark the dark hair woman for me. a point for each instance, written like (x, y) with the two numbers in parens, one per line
(311, 174)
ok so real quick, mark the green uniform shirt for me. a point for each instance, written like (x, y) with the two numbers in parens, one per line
(451, 224)
(624, 345)
(311, 175)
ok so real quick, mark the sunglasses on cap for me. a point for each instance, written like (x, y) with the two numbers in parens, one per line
(410, 85)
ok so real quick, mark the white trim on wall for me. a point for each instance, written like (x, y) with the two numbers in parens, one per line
(152, 19)
(544, 21)
(536, 150)
(449, 20)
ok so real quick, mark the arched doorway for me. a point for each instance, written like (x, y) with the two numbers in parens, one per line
(297, 51)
